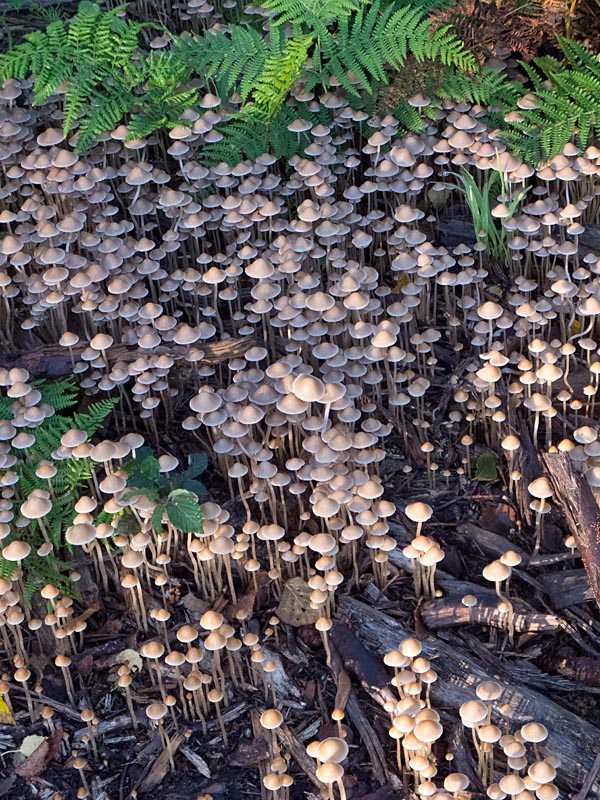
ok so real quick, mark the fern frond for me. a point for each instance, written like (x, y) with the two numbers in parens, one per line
(567, 104)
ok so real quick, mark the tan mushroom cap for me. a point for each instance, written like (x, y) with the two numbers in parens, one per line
(418, 512)
(80, 534)
(16, 551)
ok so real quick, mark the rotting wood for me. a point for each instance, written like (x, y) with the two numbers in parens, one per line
(450, 611)
(53, 361)
(458, 230)
(590, 780)
(581, 511)
(567, 588)
(357, 717)
(299, 754)
(459, 674)
(355, 657)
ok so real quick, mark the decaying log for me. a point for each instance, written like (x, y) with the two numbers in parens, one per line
(54, 361)
(581, 511)
(450, 611)
(570, 736)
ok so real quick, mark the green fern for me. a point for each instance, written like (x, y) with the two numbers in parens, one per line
(567, 103)
(72, 475)
(105, 77)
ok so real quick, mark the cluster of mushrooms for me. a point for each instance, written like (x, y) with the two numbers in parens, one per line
(288, 319)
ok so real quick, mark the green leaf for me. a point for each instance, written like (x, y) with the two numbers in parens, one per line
(183, 511)
(486, 468)
(197, 463)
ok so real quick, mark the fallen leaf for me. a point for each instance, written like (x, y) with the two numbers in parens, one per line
(37, 763)
(6, 715)
(486, 469)
(294, 606)
(30, 744)
(244, 604)
(131, 657)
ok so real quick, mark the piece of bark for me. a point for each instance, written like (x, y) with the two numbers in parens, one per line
(581, 511)
(449, 611)
(359, 661)
(567, 588)
(291, 743)
(357, 717)
(492, 544)
(573, 738)
(160, 766)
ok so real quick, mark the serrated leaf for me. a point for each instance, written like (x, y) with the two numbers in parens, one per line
(197, 463)
(183, 511)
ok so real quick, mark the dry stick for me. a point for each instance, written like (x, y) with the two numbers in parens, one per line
(590, 780)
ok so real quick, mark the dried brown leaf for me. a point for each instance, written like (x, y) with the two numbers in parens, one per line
(294, 606)
(37, 763)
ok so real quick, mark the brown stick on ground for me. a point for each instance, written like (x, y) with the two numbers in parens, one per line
(581, 512)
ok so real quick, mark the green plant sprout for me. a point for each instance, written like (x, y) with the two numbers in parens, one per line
(175, 493)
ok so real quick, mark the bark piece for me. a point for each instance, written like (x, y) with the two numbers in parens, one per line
(581, 511)
(567, 588)
(450, 611)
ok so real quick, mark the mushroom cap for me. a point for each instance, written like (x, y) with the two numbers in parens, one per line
(472, 712)
(211, 620)
(330, 772)
(16, 551)
(496, 571)
(156, 711)
(308, 388)
(540, 488)
(80, 534)
(332, 750)
(418, 512)
(534, 732)
(36, 507)
(271, 719)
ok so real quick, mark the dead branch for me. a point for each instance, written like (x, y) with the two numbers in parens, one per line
(581, 512)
